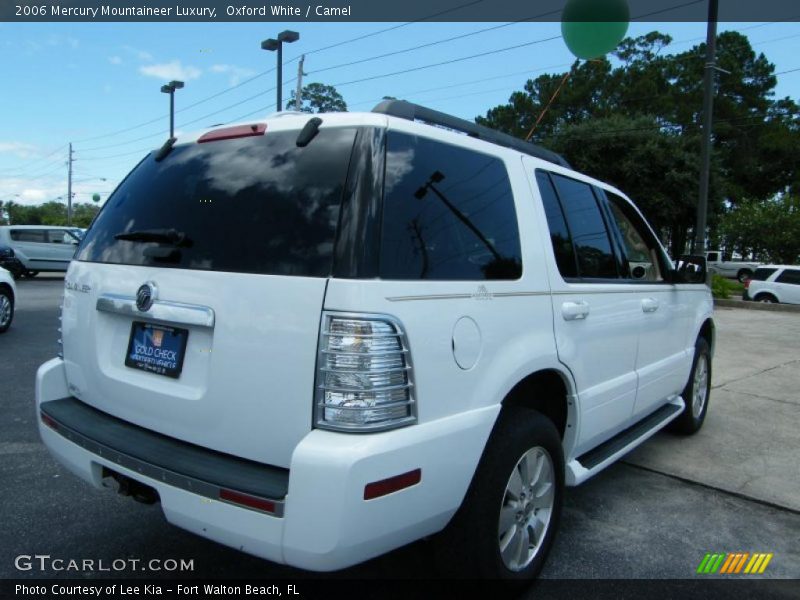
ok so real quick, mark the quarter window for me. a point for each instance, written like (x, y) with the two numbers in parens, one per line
(448, 213)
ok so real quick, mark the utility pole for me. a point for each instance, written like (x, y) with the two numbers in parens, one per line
(298, 101)
(708, 107)
(69, 187)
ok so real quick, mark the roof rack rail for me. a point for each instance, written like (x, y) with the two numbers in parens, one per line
(415, 112)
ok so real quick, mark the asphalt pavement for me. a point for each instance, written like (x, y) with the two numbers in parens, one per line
(732, 488)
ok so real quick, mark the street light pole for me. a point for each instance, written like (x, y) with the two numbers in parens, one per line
(272, 45)
(170, 89)
(708, 107)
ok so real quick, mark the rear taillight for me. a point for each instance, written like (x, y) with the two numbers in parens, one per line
(747, 283)
(364, 379)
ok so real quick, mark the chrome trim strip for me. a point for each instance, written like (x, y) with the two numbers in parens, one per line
(170, 312)
(189, 484)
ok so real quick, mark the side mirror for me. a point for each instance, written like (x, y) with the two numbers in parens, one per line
(690, 269)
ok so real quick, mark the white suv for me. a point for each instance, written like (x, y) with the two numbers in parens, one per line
(316, 339)
(773, 284)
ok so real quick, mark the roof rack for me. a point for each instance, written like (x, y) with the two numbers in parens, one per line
(415, 112)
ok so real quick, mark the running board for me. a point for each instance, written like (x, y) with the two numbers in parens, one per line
(592, 462)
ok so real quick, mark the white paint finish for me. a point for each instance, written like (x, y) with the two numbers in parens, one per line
(247, 384)
(467, 343)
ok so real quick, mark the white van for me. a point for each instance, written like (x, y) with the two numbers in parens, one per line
(319, 338)
(41, 247)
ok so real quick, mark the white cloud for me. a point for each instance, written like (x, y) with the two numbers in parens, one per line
(20, 149)
(140, 54)
(115, 60)
(236, 74)
(171, 70)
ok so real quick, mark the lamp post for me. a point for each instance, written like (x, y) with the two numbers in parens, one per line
(272, 44)
(170, 89)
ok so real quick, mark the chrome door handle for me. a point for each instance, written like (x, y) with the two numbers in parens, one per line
(649, 305)
(574, 311)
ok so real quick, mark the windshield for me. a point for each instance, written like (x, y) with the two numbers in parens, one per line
(250, 205)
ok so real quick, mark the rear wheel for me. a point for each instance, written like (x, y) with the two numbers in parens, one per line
(743, 275)
(696, 393)
(506, 525)
(6, 309)
(767, 299)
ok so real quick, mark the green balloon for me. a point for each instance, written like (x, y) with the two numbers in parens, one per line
(96, 197)
(592, 28)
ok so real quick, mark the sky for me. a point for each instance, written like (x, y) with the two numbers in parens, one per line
(97, 85)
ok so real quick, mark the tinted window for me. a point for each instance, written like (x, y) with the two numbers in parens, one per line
(789, 276)
(559, 233)
(588, 229)
(640, 249)
(28, 235)
(448, 213)
(253, 205)
(762, 274)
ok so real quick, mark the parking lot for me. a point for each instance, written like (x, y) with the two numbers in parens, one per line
(733, 487)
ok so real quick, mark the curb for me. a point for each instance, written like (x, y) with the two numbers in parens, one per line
(749, 305)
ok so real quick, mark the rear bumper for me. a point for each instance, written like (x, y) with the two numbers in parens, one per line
(325, 523)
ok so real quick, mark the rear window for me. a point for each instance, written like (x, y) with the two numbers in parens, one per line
(762, 274)
(448, 213)
(249, 205)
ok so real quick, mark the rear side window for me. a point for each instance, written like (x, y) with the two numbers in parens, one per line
(762, 274)
(588, 229)
(28, 235)
(249, 205)
(789, 276)
(448, 213)
(559, 233)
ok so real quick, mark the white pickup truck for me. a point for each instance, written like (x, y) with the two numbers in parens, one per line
(730, 268)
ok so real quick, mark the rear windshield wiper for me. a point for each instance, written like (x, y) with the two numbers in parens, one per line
(170, 236)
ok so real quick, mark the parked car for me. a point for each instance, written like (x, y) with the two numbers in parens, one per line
(317, 339)
(41, 247)
(732, 269)
(10, 262)
(773, 284)
(8, 296)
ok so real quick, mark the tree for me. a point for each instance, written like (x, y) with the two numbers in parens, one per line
(770, 230)
(755, 136)
(319, 98)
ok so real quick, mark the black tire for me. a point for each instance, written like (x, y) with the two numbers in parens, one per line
(744, 274)
(470, 546)
(31, 274)
(766, 298)
(6, 296)
(691, 419)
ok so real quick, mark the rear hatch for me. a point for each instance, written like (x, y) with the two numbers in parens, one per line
(230, 241)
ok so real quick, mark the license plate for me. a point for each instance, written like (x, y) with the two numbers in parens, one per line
(157, 348)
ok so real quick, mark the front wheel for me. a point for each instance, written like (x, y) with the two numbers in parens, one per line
(6, 310)
(696, 393)
(506, 525)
